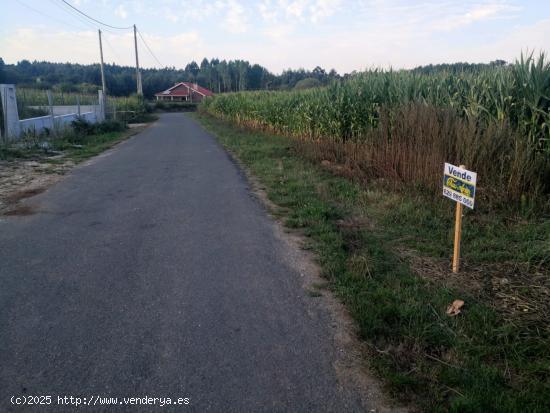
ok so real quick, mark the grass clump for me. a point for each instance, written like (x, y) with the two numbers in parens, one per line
(79, 142)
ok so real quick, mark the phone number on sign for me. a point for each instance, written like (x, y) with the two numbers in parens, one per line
(458, 198)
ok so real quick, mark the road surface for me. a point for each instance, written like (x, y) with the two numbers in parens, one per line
(153, 271)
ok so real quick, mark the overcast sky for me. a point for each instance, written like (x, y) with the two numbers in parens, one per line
(345, 35)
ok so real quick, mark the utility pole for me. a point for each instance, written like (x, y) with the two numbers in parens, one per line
(138, 74)
(102, 71)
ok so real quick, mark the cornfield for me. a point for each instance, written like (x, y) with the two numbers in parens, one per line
(39, 97)
(403, 125)
(34, 102)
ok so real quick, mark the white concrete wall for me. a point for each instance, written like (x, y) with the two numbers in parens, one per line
(38, 125)
(65, 110)
(61, 118)
(10, 114)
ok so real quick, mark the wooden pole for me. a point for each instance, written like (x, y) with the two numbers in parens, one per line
(50, 108)
(138, 74)
(102, 71)
(458, 235)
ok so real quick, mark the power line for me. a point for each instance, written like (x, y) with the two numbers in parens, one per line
(149, 49)
(115, 53)
(71, 13)
(91, 18)
(79, 17)
(47, 15)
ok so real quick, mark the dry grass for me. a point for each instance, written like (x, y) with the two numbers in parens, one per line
(402, 126)
(412, 143)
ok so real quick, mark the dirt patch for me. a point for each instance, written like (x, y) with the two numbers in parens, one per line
(20, 210)
(20, 179)
(137, 125)
(513, 291)
(26, 193)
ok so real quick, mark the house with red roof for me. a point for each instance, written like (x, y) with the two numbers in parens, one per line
(184, 92)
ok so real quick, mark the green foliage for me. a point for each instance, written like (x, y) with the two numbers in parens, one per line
(83, 128)
(128, 109)
(218, 76)
(175, 106)
(110, 126)
(307, 83)
(38, 97)
(83, 140)
(495, 119)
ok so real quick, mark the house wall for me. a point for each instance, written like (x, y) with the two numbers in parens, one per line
(172, 98)
(190, 95)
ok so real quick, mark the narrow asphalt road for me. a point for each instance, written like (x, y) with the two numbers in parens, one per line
(153, 271)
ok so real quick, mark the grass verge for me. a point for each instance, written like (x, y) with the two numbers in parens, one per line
(382, 251)
(70, 149)
(95, 144)
(32, 164)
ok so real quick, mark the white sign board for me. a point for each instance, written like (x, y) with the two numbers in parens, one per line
(459, 184)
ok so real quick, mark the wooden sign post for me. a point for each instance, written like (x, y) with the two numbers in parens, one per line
(458, 235)
(459, 185)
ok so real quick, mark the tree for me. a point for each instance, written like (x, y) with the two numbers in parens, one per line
(218, 76)
(192, 69)
(307, 83)
(2, 76)
(255, 77)
(319, 74)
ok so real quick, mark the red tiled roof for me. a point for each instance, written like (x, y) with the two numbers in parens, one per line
(183, 88)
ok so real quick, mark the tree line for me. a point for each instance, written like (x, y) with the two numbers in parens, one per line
(216, 75)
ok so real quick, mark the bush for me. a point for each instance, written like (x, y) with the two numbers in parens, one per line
(175, 106)
(110, 126)
(307, 83)
(82, 128)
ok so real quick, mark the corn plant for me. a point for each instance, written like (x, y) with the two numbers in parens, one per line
(485, 103)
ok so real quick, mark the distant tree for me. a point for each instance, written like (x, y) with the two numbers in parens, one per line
(219, 76)
(319, 73)
(192, 69)
(68, 87)
(255, 77)
(307, 83)
(2, 76)
(225, 75)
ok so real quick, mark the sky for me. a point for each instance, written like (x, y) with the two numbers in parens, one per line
(278, 34)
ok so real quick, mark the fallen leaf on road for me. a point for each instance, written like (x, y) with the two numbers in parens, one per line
(455, 307)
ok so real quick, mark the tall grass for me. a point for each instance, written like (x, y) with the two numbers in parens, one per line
(403, 125)
(39, 97)
(127, 107)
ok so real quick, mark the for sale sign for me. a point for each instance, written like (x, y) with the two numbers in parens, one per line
(459, 184)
